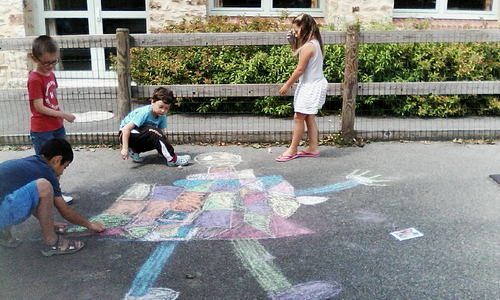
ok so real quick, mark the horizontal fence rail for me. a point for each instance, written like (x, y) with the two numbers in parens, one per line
(199, 127)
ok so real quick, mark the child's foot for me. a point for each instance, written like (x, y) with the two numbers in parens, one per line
(305, 153)
(62, 246)
(135, 156)
(7, 240)
(181, 160)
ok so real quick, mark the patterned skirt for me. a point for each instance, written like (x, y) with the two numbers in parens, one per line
(310, 97)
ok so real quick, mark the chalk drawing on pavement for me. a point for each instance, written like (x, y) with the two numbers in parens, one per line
(221, 204)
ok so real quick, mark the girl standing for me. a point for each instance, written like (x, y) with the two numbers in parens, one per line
(310, 94)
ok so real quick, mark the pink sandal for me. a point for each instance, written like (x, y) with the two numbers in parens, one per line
(303, 153)
(285, 158)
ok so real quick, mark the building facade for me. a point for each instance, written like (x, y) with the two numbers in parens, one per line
(20, 18)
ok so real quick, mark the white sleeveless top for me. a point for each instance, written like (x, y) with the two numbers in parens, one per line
(314, 67)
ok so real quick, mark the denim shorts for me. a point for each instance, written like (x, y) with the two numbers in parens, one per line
(38, 139)
(16, 207)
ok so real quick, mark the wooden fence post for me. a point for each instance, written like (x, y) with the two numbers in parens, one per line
(123, 70)
(350, 84)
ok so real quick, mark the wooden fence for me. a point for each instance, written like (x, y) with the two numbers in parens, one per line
(349, 89)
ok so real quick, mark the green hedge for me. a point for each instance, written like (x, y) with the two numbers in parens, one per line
(422, 62)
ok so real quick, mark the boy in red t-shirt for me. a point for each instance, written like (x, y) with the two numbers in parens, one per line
(47, 118)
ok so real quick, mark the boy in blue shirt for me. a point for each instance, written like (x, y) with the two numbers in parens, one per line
(143, 129)
(30, 185)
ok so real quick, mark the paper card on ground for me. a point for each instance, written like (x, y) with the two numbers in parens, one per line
(406, 234)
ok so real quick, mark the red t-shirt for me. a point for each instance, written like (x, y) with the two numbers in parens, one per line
(43, 87)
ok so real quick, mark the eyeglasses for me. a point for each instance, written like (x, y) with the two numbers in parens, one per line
(48, 63)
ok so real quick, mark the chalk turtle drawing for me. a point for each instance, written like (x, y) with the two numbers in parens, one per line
(222, 204)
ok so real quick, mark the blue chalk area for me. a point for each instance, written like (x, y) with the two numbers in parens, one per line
(183, 231)
(226, 183)
(151, 269)
(270, 181)
(174, 215)
(327, 188)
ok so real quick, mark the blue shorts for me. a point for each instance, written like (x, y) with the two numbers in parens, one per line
(38, 139)
(16, 207)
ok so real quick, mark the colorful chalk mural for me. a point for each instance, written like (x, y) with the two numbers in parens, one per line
(222, 204)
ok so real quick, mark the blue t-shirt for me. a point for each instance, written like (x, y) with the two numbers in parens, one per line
(143, 116)
(19, 172)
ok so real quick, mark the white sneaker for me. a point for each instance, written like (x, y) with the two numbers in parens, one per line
(182, 160)
(68, 199)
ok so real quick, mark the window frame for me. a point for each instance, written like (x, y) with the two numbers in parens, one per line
(95, 17)
(265, 10)
(442, 12)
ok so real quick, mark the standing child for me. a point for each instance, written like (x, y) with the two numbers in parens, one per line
(143, 130)
(31, 186)
(47, 118)
(310, 94)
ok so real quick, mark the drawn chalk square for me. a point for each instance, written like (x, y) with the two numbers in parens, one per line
(214, 218)
(188, 202)
(174, 216)
(140, 222)
(166, 193)
(126, 207)
(154, 209)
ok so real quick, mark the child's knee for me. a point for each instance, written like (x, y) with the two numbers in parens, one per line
(44, 187)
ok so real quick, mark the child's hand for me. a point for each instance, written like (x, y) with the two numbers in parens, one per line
(70, 118)
(284, 89)
(60, 227)
(290, 36)
(97, 226)
(124, 153)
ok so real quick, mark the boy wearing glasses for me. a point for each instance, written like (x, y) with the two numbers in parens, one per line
(47, 118)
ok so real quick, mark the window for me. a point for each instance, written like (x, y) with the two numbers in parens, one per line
(266, 8)
(446, 9)
(63, 17)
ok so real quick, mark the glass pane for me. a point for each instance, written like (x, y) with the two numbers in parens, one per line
(484, 5)
(75, 59)
(50, 5)
(134, 25)
(67, 26)
(107, 53)
(136, 5)
(295, 4)
(237, 3)
(426, 4)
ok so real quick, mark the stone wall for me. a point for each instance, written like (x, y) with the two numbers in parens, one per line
(166, 12)
(13, 64)
(365, 12)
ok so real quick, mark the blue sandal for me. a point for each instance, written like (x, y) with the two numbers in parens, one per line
(55, 249)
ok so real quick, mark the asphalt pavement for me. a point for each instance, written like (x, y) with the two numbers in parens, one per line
(235, 224)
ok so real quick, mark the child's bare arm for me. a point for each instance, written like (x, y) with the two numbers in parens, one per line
(306, 53)
(73, 217)
(125, 136)
(38, 104)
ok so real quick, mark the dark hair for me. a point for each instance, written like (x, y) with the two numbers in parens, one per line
(44, 44)
(55, 147)
(308, 30)
(163, 94)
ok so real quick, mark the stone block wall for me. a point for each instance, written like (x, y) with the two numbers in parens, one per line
(166, 12)
(365, 12)
(13, 64)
